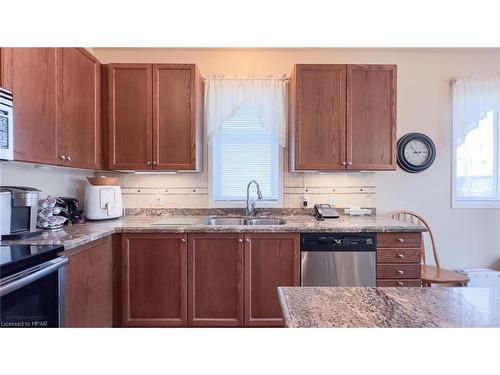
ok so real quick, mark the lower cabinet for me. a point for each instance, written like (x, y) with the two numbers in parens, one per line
(154, 280)
(215, 280)
(88, 297)
(204, 279)
(271, 260)
(398, 259)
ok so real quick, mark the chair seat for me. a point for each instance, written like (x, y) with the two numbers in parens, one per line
(434, 275)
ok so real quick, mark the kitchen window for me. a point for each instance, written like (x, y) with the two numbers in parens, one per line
(476, 143)
(245, 124)
(244, 151)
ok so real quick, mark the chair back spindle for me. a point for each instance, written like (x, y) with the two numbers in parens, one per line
(414, 218)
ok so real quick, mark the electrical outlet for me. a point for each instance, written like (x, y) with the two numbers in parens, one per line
(158, 200)
(304, 201)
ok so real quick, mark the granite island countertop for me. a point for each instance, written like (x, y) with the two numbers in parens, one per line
(79, 234)
(330, 307)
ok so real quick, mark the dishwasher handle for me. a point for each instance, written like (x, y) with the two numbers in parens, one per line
(18, 280)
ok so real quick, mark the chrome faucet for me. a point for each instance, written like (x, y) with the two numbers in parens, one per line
(251, 203)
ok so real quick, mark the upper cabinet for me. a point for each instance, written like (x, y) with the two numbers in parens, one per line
(33, 75)
(343, 117)
(129, 116)
(56, 105)
(155, 114)
(81, 109)
(371, 117)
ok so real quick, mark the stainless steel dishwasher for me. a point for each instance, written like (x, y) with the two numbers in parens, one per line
(337, 259)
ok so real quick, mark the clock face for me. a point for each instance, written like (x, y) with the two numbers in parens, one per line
(417, 152)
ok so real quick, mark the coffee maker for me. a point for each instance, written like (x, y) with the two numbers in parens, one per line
(19, 206)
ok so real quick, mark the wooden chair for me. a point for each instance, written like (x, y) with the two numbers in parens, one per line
(431, 274)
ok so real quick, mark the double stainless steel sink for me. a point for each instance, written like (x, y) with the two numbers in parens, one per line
(231, 220)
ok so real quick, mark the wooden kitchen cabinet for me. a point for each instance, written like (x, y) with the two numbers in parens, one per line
(130, 124)
(399, 259)
(34, 76)
(342, 117)
(318, 108)
(371, 117)
(177, 114)
(215, 279)
(154, 116)
(154, 280)
(56, 105)
(88, 296)
(271, 261)
(81, 109)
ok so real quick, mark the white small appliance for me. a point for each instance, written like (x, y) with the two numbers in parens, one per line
(6, 125)
(103, 202)
(5, 212)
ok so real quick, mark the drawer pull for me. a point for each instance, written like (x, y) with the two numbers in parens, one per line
(183, 240)
(401, 256)
(400, 272)
(400, 283)
(401, 240)
(240, 240)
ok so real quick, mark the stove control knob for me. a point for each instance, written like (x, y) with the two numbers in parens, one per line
(337, 242)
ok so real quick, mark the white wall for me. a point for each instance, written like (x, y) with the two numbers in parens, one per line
(57, 181)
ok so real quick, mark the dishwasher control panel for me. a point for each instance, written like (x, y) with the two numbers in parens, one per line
(338, 241)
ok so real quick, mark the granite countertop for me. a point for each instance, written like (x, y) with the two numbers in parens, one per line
(79, 234)
(328, 307)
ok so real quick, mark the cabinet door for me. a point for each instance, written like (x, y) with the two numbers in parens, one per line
(371, 117)
(319, 118)
(154, 270)
(271, 261)
(88, 296)
(81, 108)
(33, 75)
(130, 109)
(215, 280)
(174, 130)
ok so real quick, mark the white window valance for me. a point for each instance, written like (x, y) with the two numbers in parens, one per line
(266, 98)
(472, 100)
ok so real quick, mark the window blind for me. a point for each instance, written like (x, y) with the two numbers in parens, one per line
(244, 151)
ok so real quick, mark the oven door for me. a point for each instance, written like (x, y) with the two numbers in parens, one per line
(6, 133)
(34, 297)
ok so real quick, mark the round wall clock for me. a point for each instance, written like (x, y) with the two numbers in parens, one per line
(416, 152)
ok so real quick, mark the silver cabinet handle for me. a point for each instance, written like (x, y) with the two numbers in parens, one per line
(155, 163)
(401, 240)
(240, 240)
(30, 275)
(183, 240)
(68, 157)
(63, 157)
(349, 163)
(401, 256)
(400, 272)
(247, 240)
(148, 163)
(344, 163)
(400, 283)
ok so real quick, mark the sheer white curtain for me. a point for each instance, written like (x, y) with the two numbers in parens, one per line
(266, 98)
(472, 99)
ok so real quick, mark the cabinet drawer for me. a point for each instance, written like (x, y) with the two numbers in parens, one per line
(399, 240)
(386, 283)
(399, 271)
(398, 255)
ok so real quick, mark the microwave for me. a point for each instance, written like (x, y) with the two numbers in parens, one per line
(6, 125)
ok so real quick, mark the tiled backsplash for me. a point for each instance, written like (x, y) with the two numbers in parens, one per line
(190, 190)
